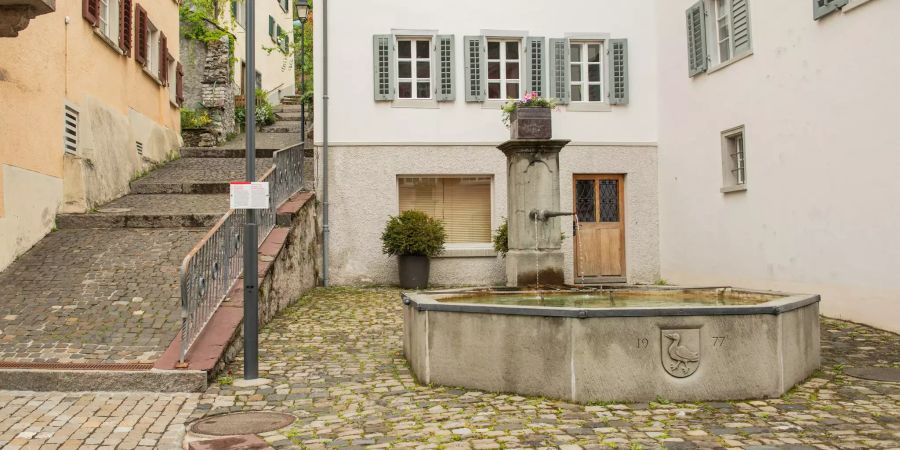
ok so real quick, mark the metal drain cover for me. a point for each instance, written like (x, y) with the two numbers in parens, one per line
(890, 374)
(252, 422)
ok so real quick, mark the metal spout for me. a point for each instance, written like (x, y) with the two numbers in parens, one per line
(543, 215)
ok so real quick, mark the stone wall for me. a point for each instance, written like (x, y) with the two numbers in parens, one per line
(209, 86)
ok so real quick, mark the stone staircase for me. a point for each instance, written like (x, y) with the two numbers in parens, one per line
(102, 292)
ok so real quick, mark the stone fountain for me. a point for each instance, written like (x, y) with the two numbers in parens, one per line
(535, 256)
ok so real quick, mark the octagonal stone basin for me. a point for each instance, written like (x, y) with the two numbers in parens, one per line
(614, 344)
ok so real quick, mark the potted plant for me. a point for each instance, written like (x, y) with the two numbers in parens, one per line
(413, 238)
(529, 118)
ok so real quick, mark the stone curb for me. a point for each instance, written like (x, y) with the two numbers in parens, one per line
(101, 220)
(218, 187)
(153, 380)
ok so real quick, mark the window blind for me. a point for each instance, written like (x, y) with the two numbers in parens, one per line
(463, 204)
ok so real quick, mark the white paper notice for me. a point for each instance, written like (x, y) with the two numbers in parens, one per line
(249, 195)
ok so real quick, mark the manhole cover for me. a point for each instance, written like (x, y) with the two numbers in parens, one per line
(242, 423)
(891, 374)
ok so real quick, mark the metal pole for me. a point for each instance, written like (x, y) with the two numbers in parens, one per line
(325, 225)
(303, 83)
(251, 282)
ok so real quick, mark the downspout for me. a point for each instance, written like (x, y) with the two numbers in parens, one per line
(325, 226)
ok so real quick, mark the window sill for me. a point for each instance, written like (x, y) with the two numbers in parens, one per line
(108, 41)
(151, 75)
(588, 107)
(853, 5)
(736, 188)
(493, 104)
(731, 61)
(414, 103)
(485, 251)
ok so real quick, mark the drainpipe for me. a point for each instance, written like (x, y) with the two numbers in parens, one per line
(325, 225)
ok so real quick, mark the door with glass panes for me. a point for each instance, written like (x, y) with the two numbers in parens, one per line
(600, 228)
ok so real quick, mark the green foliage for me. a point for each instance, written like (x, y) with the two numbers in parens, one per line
(193, 118)
(501, 238)
(196, 17)
(265, 115)
(225, 380)
(662, 282)
(413, 233)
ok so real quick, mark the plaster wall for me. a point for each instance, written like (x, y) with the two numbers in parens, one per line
(363, 193)
(819, 103)
(31, 200)
(357, 118)
(275, 68)
(51, 64)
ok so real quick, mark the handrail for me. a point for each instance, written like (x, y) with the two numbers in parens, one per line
(209, 270)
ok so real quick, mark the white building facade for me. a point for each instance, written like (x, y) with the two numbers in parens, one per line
(727, 161)
(410, 128)
(816, 101)
(274, 41)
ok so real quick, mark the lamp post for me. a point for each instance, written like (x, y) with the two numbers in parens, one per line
(302, 8)
(251, 283)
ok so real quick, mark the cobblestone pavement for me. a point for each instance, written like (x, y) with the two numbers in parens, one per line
(276, 141)
(31, 420)
(94, 295)
(336, 362)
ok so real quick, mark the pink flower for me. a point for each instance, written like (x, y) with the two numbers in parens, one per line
(528, 96)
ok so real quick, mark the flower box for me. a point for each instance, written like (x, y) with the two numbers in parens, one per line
(530, 123)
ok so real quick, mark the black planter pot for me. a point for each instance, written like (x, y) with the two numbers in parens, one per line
(414, 271)
(530, 123)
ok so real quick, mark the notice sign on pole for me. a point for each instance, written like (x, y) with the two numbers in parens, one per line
(249, 195)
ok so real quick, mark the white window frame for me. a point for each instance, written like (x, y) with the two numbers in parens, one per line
(584, 66)
(461, 249)
(173, 80)
(722, 12)
(734, 160)
(503, 60)
(239, 13)
(108, 23)
(413, 60)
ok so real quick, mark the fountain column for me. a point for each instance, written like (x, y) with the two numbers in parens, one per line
(532, 167)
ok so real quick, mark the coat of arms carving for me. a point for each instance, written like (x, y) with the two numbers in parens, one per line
(680, 351)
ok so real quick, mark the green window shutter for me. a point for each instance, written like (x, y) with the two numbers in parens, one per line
(696, 38)
(535, 67)
(383, 61)
(822, 8)
(740, 26)
(618, 71)
(272, 27)
(559, 70)
(474, 67)
(445, 91)
(234, 9)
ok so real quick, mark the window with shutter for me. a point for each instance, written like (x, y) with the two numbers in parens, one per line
(535, 72)
(446, 91)
(272, 33)
(618, 71)
(822, 8)
(414, 58)
(474, 67)
(740, 27)
(504, 68)
(696, 38)
(383, 63)
(163, 58)
(90, 10)
(140, 35)
(125, 30)
(179, 84)
(559, 70)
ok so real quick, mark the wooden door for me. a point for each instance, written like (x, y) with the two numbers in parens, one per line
(600, 227)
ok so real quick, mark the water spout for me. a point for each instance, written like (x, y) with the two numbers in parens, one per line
(543, 215)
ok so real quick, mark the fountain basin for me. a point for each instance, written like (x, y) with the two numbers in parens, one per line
(623, 344)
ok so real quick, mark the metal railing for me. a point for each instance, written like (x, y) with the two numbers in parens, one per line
(208, 272)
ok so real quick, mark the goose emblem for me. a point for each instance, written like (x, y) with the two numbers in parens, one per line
(681, 351)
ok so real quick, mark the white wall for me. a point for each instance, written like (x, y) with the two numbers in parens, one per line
(820, 102)
(356, 118)
(276, 69)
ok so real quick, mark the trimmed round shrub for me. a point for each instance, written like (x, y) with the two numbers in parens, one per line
(413, 233)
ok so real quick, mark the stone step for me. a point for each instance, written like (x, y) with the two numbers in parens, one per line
(151, 211)
(288, 115)
(196, 176)
(286, 108)
(283, 126)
